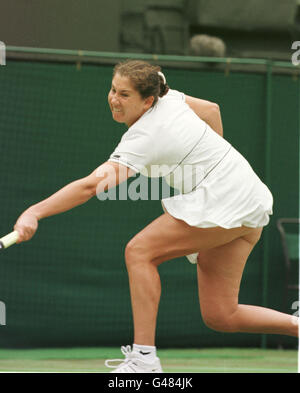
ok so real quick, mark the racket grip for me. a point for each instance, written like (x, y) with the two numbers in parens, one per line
(9, 239)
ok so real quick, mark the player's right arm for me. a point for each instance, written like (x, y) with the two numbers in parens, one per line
(207, 111)
(108, 175)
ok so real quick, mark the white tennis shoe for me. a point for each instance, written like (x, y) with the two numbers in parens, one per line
(134, 362)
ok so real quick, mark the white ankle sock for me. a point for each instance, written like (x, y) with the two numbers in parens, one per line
(147, 351)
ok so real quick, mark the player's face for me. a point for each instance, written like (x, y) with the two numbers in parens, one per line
(126, 104)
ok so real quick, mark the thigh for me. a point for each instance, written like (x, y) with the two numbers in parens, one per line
(220, 272)
(167, 238)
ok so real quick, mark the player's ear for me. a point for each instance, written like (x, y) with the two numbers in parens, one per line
(149, 102)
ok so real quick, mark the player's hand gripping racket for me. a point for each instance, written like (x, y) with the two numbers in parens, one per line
(9, 240)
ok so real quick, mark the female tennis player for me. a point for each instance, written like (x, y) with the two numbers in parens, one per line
(216, 220)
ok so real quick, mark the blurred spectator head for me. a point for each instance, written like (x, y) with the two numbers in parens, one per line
(209, 46)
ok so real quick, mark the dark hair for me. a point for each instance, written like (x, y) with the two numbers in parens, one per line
(144, 77)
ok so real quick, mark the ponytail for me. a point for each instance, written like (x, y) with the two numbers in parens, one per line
(164, 88)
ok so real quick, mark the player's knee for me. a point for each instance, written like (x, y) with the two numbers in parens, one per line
(131, 251)
(220, 322)
(135, 252)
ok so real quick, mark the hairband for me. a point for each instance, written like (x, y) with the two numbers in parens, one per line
(163, 77)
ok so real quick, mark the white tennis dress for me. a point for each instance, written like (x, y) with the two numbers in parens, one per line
(216, 185)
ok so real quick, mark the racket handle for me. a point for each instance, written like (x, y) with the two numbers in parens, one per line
(9, 239)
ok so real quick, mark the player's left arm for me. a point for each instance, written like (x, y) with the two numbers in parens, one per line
(207, 111)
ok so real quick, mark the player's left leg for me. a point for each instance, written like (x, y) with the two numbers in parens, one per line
(219, 275)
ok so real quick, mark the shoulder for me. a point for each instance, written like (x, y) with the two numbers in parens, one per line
(174, 95)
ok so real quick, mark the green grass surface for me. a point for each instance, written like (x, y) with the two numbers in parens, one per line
(225, 360)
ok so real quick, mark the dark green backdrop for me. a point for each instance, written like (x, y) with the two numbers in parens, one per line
(68, 286)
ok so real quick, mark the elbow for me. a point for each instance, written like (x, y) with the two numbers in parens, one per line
(214, 118)
(214, 110)
(91, 190)
(88, 188)
(95, 185)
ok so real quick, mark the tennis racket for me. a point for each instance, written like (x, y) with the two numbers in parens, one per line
(9, 240)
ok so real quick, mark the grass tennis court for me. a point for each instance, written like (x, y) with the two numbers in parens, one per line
(225, 360)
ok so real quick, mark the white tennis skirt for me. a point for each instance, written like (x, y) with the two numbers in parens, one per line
(231, 196)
